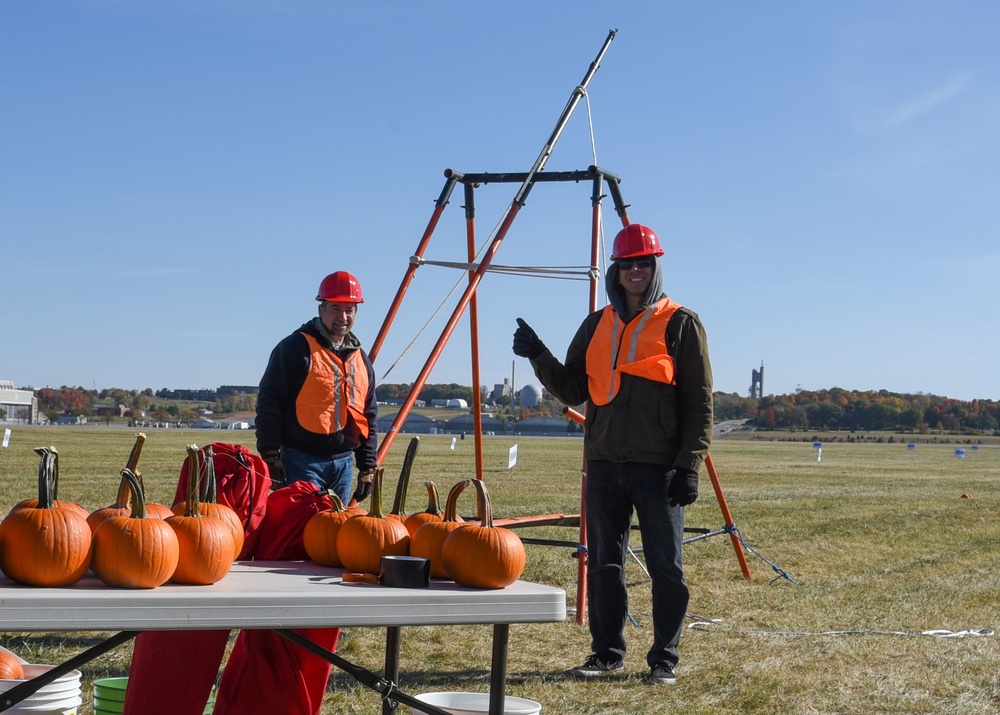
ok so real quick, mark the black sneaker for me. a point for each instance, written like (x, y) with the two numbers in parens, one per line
(594, 667)
(662, 674)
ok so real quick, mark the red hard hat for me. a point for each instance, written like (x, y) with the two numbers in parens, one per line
(635, 240)
(340, 287)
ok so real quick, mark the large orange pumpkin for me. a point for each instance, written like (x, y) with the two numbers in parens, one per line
(363, 540)
(206, 547)
(428, 539)
(482, 555)
(204, 477)
(135, 551)
(320, 534)
(45, 545)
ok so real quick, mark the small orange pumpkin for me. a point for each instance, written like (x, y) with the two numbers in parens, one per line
(45, 545)
(204, 476)
(482, 555)
(135, 551)
(363, 540)
(206, 548)
(10, 666)
(428, 539)
(320, 534)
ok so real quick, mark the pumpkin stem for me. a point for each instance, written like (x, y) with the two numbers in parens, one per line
(191, 504)
(209, 494)
(131, 482)
(484, 504)
(451, 505)
(133, 458)
(375, 509)
(47, 471)
(432, 499)
(337, 504)
(399, 504)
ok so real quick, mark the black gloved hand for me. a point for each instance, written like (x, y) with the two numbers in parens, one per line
(683, 486)
(275, 468)
(364, 485)
(526, 342)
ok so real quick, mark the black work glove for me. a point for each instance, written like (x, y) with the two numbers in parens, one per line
(683, 486)
(275, 468)
(526, 342)
(364, 485)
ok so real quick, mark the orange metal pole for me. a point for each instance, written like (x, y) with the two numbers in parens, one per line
(449, 328)
(726, 516)
(477, 407)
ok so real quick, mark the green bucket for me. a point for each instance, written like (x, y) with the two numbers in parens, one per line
(109, 697)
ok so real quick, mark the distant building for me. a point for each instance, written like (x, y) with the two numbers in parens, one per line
(414, 424)
(531, 396)
(546, 427)
(18, 405)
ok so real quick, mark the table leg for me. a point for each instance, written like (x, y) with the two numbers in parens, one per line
(498, 671)
(393, 640)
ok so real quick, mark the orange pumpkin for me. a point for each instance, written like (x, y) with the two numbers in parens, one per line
(363, 540)
(320, 534)
(135, 551)
(45, 545)
(204, 477)
(10, 666)
(428, 539)
(206, 547)
(482, 555)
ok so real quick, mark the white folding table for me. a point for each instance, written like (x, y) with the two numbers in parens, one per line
(283, 595)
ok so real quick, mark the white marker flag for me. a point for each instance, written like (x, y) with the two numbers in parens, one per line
(512, 457)
(453, 441)
(6, 437)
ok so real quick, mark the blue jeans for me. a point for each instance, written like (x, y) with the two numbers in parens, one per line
(334, 474)
(612, 491)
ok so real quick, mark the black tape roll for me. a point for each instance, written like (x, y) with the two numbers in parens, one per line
(405, 572)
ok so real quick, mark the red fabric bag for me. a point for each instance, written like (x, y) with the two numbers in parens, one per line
(172, 672)
(267, 673)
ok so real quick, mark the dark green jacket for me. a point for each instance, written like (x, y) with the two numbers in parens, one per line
(647, 421)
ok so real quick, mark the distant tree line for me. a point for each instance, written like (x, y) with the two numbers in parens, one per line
(837, 408)
(831, 409)
(54, 402)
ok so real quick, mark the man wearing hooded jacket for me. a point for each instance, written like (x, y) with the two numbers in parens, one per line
(316, 408)
(641, 365)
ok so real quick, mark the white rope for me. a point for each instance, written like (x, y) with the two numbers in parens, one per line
(710, 625)
(578, 273)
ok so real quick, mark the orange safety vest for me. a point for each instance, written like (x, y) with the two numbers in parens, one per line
(334, 391)
(636, 348)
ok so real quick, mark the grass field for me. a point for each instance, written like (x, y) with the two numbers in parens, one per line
(879, 541)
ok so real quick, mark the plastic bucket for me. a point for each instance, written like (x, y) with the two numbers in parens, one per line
(109, 696)
(459, 703)
(60, 697)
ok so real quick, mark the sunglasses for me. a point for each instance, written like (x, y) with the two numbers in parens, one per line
(625, 264)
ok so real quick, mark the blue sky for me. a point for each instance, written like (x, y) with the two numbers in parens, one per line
(176, 179)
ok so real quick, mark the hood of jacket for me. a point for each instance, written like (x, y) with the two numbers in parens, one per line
(616, 293)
